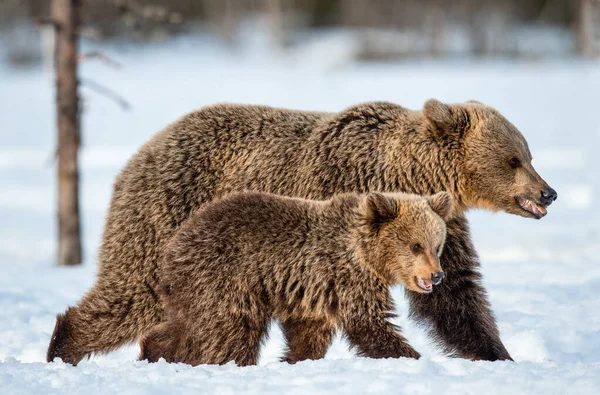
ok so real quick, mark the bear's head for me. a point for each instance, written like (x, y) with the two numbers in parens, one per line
(403, 237)
(493, 161)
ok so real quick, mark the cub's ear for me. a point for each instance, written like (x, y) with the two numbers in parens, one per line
(380, 209)
(447, 121)
(441, 203)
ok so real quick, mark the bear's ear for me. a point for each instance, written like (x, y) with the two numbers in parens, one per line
(441, 203)
(380, 209)
(447, 121)
(475, 102)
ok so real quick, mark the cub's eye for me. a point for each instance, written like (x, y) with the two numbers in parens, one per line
(514, 163)
(417, 248)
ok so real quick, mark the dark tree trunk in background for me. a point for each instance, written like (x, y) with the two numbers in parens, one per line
(586, 40)
(66, 16)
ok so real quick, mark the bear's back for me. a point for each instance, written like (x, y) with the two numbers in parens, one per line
(253, 215)
(233, 231)
(247, 233)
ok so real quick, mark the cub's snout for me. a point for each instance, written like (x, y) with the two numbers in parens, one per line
(425, 284)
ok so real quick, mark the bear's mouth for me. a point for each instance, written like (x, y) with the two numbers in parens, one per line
(425, 285)
(536, 210)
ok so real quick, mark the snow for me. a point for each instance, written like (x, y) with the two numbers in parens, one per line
(542, 276)
(347, 376)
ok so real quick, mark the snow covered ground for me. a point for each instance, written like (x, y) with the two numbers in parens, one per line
(543, 276)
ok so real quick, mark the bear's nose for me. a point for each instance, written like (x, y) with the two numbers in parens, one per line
(548, 196)
(437, 277)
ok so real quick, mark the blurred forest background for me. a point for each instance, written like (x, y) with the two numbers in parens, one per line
(382, 29)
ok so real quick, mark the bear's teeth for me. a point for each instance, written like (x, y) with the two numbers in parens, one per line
(538, 210)
(532, 207)
(541, 210)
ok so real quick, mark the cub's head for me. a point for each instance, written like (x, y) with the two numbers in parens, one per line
(403, 237)
(493, 160)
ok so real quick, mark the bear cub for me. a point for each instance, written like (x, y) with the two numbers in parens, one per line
(316, 266)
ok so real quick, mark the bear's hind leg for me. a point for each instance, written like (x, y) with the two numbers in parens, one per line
(103, 321)
(306, 339)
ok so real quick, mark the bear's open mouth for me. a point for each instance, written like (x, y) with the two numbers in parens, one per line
(425, 285)
(531, 207)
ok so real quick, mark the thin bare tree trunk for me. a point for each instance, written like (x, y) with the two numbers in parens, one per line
(66, 15)
(586, 40)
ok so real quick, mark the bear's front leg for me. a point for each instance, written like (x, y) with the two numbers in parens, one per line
(458, 309)
(376, 337)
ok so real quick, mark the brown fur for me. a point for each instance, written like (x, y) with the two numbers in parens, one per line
(463, 149)
(317, 266)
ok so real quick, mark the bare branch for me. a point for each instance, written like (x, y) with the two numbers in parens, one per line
(100, 56)
(107, 92)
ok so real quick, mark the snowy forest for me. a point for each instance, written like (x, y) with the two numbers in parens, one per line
(84, 84)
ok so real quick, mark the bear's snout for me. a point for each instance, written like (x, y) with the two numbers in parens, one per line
(548, 196)
(437, 277)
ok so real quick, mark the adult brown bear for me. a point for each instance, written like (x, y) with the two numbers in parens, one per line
(469, 150)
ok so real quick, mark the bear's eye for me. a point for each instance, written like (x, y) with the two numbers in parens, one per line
(514, 163)
(417, 248)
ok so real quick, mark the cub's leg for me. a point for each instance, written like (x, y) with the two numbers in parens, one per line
(366, 326)
(242, 340)
(375, 337)
(207, 340)
(167, 340)
(306, 339)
